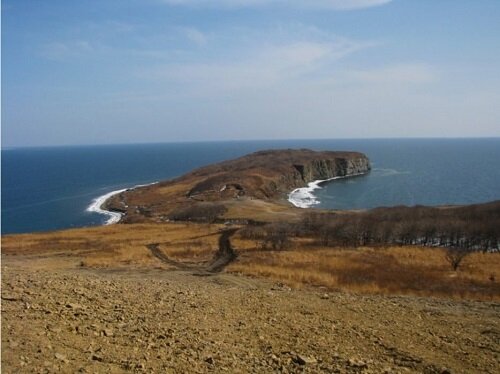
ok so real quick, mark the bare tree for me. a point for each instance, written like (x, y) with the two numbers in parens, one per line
(455, 256)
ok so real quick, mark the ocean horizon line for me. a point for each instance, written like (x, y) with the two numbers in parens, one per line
(184, 142)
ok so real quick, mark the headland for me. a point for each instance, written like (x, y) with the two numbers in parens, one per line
(236, 186)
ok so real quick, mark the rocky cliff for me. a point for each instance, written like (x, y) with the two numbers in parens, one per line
(326, 168)
(267, 174)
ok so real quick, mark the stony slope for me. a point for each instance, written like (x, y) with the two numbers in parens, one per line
(80, 320)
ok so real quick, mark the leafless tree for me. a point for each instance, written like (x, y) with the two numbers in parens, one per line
(455, 256)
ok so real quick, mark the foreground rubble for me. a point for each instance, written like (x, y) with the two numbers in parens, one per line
(111, 321)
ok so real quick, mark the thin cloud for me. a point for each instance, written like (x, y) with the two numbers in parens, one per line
(63, 50)
(319, 4)
(256, 66)
(194, 35)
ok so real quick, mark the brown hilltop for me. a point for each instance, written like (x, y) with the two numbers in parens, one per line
(265, 175)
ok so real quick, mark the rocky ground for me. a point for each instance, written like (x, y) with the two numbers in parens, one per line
(154, 320)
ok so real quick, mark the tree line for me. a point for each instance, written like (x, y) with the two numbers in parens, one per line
(469, 228)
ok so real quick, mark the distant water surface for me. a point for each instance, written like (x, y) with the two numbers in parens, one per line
(420, 172)
(50, 188)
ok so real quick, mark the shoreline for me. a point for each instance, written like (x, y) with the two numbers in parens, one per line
(98, 202)
(303, 197)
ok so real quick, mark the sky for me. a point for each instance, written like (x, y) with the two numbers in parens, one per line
(139, 71)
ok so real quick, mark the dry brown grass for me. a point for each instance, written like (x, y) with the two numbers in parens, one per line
(192, 251)
(114, 246)
(393, 270)
(260, 210)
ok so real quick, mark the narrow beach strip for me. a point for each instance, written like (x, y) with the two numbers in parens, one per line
(304, 198)
(114, 217)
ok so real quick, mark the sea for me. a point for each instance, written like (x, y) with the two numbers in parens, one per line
(52, 188)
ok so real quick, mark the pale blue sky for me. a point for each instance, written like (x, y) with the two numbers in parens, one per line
(117, 71)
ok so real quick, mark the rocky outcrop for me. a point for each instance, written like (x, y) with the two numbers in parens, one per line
(326, 168)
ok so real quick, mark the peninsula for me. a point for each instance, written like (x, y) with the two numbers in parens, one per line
(237, 188)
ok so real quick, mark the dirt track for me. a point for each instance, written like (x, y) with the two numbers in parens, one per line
(81, 320)
(223, 256)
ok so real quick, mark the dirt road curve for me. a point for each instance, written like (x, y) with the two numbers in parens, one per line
(223, 256)
(155, 251)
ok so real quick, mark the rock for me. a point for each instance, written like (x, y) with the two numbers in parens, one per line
(140, 365)
(303, 360)
(275, 358)
(7, 297)
(54, 329)
(357, 363)
(107, 332)
(280, 287)
(73, 306)
(60, 357)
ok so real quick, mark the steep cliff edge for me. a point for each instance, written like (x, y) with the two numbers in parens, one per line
(327, 168)
(268, 174)
(264, 175)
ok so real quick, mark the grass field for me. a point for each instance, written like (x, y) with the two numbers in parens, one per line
(382, 270)
(116, 245)
(388, 270)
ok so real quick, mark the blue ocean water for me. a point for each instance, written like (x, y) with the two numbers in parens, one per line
(50, 188)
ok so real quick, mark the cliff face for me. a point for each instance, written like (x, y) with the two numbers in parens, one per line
(322, 169)
(320, 166)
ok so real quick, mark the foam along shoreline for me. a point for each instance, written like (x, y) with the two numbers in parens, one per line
(113, 217)
(304, 198)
